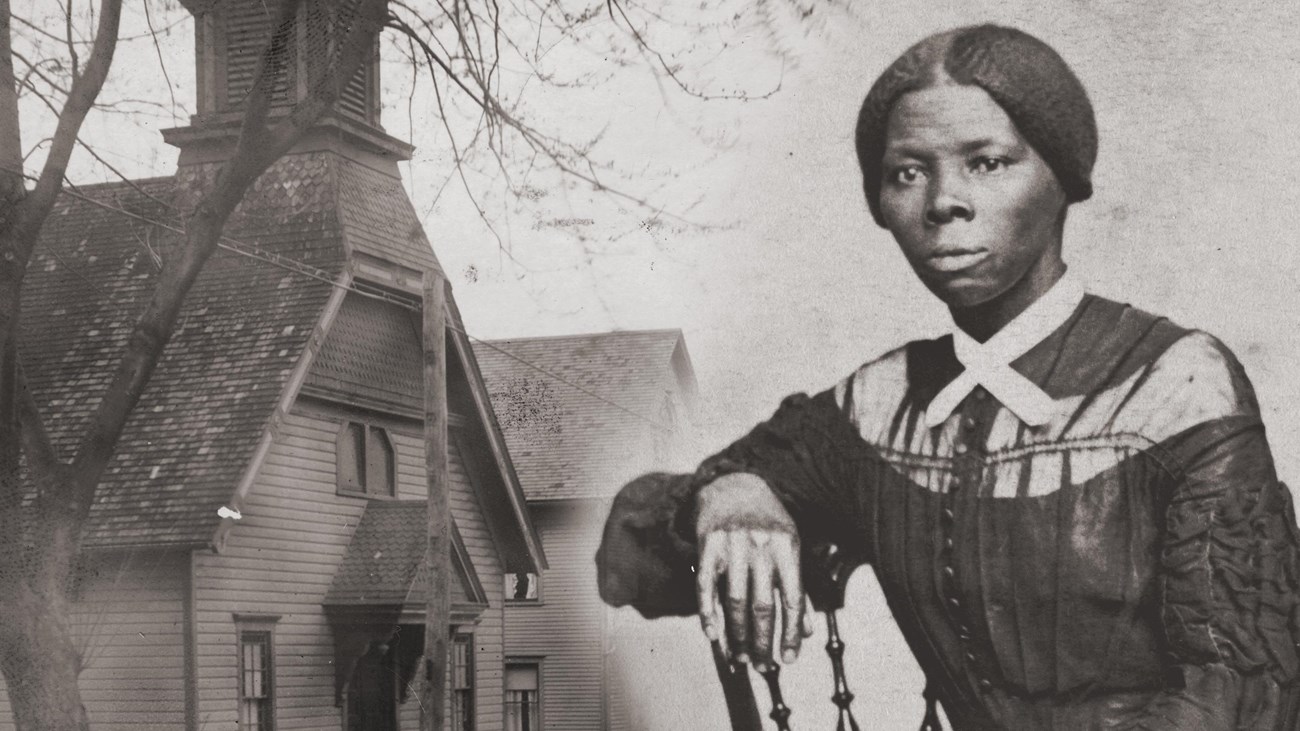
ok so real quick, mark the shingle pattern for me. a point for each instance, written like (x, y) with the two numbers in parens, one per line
(566, 444)
(378, 217)
(243, 327)
(384, 560)
(372, 355)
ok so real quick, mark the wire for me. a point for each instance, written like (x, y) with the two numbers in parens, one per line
(253, 252)
(360, 288)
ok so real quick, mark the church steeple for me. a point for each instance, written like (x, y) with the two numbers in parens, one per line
(230, 36)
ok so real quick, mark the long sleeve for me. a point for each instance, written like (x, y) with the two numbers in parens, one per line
(808, 453)
(1228, 587)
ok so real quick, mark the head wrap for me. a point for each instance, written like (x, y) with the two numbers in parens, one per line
(1028, 79)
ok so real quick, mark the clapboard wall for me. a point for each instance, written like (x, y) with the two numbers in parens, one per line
(565, 628)
(128, 622)
(280, 559)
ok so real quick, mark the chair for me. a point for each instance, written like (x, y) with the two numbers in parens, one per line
(826, 573)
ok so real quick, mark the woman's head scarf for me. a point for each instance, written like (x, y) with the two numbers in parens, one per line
(1028, 79)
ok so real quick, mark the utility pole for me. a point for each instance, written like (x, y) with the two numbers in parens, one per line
(438, 550)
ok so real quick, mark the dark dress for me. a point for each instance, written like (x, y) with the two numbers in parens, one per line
(1130, 564)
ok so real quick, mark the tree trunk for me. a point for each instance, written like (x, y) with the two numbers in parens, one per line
(39, 661)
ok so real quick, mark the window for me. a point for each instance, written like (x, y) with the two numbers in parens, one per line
(462, 682)
(366, 461)
(256, 671)
(522, 587)
(523, 699)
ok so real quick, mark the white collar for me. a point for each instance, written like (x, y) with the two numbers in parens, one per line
(988, 364)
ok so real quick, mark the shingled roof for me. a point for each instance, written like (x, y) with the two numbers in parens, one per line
(569, 444)
(243, 330)
(243, 327)
(384, 564)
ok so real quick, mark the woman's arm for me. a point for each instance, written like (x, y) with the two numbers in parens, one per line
(1228, 586)
(808, 456)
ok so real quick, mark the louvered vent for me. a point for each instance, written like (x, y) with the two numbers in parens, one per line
(248, 26)
(355, 99)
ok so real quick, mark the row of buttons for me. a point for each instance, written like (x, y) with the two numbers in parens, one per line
(965, 434)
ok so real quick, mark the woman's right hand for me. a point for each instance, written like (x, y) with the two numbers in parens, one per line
(749, 555)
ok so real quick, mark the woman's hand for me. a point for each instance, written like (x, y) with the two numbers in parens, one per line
(746, 534)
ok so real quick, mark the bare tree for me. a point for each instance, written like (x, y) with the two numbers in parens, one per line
(45, 496)
(39, 542)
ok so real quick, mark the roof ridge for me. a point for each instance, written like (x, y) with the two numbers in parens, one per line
(123, 183)
(604, 333)
(575, 440)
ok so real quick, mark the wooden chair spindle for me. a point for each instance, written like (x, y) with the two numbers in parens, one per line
(842, 697)
(780, 711)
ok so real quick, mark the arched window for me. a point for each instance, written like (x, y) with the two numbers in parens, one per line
(366, 460)
(380, 468)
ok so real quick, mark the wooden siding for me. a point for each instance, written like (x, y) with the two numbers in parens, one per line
(565, 628)
(280, 560)
(128, 623)
(489, 655)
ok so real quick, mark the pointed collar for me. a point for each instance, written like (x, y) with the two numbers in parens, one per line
(988, 364)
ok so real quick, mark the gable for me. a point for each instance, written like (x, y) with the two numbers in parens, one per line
(246, 334)
(576, 438)
(372, 359)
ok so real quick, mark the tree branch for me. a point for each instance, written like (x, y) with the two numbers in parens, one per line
(41, 458)
(539, 142)
(12, 186)
(615, 5)
(72, 47)
(257, 149)
(31, 211)
(162, 65)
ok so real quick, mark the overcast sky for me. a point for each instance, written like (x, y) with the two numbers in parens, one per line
(764, 253)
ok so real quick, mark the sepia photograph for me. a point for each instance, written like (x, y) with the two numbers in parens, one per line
(612, 365)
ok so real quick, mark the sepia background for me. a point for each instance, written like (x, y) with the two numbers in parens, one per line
(754, 239)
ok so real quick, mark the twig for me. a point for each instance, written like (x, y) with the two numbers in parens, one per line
(614, 5)
(162, 65)
(72, 47)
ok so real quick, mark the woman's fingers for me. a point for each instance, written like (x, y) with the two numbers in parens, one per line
(742, 607)
(736, 605)
(762, 611)
(712, 554)
(805, 619)
(785, 554)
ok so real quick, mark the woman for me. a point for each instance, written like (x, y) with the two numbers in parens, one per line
(1069, 503)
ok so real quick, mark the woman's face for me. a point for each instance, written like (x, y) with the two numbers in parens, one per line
(974, 208)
